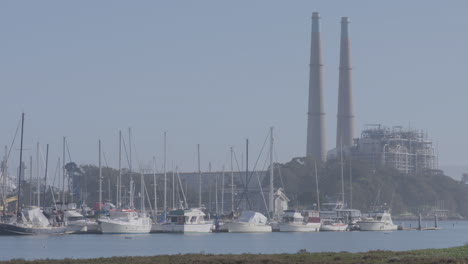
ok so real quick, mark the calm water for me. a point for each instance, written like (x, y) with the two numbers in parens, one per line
(453, 233)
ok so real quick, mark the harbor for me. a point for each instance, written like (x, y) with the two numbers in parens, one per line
(452, 234)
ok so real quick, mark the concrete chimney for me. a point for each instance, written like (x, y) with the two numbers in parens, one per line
(316, 115)
(345, 124)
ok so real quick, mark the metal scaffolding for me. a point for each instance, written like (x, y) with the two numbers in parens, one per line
(406, 150)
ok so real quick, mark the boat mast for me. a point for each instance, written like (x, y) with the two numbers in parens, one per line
(316, 186)
(342, 173)
(30, 180)
(199, 179)
(222, 192)
(132, 205)
(63, 172)
(271, 172)
(4, 177)
(216, 193)
(45, 176)
(165, 173)
(350, 184)
(155, 187)
(100, 179)
(142, 185)
(38, 177)
(119, 180)
(173, 188)
(18, 204)
(232, 183)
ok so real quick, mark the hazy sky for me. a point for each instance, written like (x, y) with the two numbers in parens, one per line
(217, 72)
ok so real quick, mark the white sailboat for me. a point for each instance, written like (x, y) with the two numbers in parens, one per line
(124, 221)
(249, 222)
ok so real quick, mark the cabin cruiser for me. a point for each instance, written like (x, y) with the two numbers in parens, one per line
(293, 221)
(184, 221)
(125, 221)
(336, 214)
(378, 220)
(32, 221)
(249, 222)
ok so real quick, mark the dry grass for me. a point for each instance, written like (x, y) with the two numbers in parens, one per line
(450, 255)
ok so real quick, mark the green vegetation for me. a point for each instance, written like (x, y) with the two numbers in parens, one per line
(405, 194)
(450, 255)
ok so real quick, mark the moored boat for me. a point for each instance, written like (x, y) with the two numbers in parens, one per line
(249, 222)
(184, 221)
(293, 221)
(333, 225)
(125, 221)
(31, 222)
(378, 220)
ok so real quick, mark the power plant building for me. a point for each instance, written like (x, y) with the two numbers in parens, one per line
(409, 151)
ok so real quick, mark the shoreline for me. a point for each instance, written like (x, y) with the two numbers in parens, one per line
(445, 255)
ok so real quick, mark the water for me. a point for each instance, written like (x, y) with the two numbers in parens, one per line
(453, 233)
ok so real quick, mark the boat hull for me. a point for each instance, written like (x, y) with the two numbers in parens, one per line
(240, 227)
(9, 229)
(83, 228)
(334, 228)
(376, 226)
(115, 227)
(180, 228)
(291, 227)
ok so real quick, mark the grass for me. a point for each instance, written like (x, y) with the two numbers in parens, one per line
(449, 255)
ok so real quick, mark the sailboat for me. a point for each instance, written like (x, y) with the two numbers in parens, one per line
(124, 221)
(29, 220)
(250, 221)
(307, 221)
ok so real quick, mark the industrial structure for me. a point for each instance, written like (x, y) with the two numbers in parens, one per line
(345, 117)
(407, 150)
(316, 148)
(316, 116)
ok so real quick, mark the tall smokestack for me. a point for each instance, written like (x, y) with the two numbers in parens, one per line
(316, 114)
(345, 124)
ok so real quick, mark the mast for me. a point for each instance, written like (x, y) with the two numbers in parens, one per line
(247, 172)
(199, 179)
(45, 175)
(316, 186)
(100, 179)
(342, 174)
(222, 192)
(216, 194)
(142, 186)
(63, 172)
(155, 187)
(119, 180)
(30, 180)
(18, 204)
(132, 205)
(4, 177)
(38, 177)
(173, 188)
(232, 183)
(165, 173)
(350, 184)
(271, 172)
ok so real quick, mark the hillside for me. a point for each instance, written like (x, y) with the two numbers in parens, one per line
(404, 193)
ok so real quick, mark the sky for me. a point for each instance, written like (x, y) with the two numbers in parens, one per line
(215, 73)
